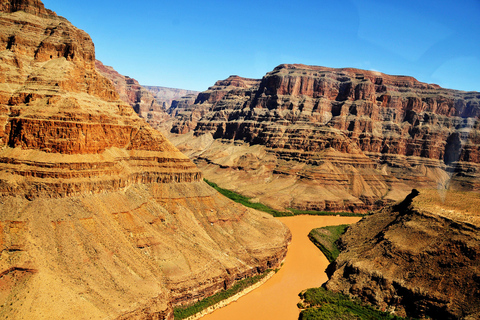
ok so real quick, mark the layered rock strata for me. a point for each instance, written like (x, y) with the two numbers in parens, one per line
(418, 258)
(155, 104)
(142, 100)
(357, 139)
(182, 104)
(166, 96)
(100, 215)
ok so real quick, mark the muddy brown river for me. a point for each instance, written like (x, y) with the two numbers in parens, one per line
(304, 268)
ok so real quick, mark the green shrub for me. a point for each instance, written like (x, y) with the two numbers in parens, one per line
(325, 213)
(325, 239)
(246, 201)
(261, 207)
(324, 304)
(183, 312)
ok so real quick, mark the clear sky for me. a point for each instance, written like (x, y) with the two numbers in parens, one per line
(190, 44)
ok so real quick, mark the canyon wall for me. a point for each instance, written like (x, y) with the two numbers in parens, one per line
(332, 139)
(100, 215)
(167, 96)
(155, 104)
(143, 102)
(418, 258)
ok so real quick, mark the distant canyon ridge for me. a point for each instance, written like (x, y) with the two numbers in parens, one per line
(318, 138)
(150, 102)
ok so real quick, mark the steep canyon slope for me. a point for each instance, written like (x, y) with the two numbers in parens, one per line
(419, 258)
(168, 96)
(153, 103)
(142, 100)
(100, 215)
(319, 138)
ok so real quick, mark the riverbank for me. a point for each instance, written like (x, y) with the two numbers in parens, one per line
(233, 298)
(304, 268)
(232, 195)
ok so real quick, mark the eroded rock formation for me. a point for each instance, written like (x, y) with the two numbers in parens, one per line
(154, 104)
(333, 139)
(166, 96)
(420, 258)
(100, 215)
(141, 99)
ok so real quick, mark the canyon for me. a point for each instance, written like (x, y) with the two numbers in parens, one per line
(326, 144)
(100, 215)
(168, 97)
(130, 91)
(153, 103)
(318, 138)
(304, 267)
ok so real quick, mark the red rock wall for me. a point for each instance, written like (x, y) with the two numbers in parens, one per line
(369, 108)
(415, 134)
(100, 215)
(145, 104)
(58, 103)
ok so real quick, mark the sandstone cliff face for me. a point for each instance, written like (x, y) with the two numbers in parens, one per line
(366, 136)
(100, 215)
(141, 99)
(35, 7)
(419, 259)
(154, 104)
(167, 96)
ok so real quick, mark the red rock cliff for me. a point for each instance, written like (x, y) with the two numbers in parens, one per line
(35, 7)
(100, 215)
(372, 133)
(166, 96)
(141, 99)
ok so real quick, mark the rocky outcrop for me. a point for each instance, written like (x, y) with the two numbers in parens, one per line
(187, 114)
(100, 215)
(367, 136)
(181, 104)
(154, 104)
(34, 7)
(418, 258)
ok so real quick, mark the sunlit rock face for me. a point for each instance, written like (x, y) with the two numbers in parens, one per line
(144, 103)
(333, 139)
(418, 258)
(100, 215)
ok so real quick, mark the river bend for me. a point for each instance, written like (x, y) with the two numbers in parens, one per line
(304, 268)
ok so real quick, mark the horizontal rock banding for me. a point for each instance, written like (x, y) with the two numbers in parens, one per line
(353, 101)
(329, 122)
(100, 215)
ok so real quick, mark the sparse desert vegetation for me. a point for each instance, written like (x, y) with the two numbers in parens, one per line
(325, 239)
(463, 205)
(183, 312)
(260, 206)
(321, 304)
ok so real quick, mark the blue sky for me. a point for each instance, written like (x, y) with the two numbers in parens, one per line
(192, 44)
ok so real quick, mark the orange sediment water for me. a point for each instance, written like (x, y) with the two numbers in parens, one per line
(304, 268)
